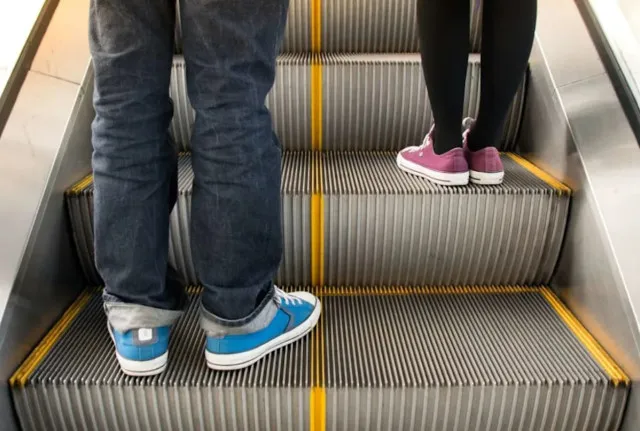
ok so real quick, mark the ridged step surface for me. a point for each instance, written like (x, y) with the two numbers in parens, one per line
(348, 102)
(353, 218)
(493, 358)
(356, 26)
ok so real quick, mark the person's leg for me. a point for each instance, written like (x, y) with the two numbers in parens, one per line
(507, 37)
(230, 50)
(444, 47)
(134, 167)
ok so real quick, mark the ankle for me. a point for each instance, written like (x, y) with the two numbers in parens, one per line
(477, 142)
(443, 143)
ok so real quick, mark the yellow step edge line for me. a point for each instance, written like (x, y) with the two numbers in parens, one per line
(424, 290)
(317, 222)
(81, 185)
(316, 25)
(318, 397)
(562, 188)
(24, 372)
(598, 353)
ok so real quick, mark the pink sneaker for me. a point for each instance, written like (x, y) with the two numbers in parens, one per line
(448, 169)
(485, 166)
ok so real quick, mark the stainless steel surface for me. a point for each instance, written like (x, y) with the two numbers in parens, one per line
(39, 157)
(357, 26)
(575, 128)
(616, 20)
(43, 149)
(385, 227)
(605, 234)
(572, 127)
(497, 358)
(459, 362)
(90, 392)
(369, 102)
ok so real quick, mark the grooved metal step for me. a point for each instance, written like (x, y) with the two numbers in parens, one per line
(348, 102)
(353, 218)
(356, 26)
(457, 358)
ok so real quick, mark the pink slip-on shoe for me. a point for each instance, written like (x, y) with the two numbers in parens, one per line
(485, 165)
(448, 169)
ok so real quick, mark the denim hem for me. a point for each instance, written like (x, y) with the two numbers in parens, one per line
(257, 320)
(124, 317)
(243, 321)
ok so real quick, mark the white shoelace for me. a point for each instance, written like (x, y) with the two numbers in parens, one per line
(425, 142)
(283, 297)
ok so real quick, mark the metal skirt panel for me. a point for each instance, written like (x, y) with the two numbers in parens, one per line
(368, 102)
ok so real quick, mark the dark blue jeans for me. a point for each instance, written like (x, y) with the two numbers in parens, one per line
(230, 48)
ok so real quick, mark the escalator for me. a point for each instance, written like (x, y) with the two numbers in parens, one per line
(437, 310)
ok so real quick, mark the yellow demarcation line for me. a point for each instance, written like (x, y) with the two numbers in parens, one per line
(317, 223)
(318, 397)
(81, 185)
(425, 290)
(24, 372)
(561, 188)
(605, 361)
(316, 25)
(194, 290)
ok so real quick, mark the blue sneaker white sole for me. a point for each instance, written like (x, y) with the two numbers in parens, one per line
(236, 361)
(141, 368)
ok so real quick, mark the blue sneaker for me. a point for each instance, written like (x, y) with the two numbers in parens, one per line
(297, 315)
(142, 352)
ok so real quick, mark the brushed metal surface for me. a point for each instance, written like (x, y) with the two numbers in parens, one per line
(385, 227)
(349, 26)
(575, 128)
(382, 226)
(369, 102)
(79, 386)
(428, 359)
(44, 148)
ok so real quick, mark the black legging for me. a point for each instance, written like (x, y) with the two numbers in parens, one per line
(507, 36)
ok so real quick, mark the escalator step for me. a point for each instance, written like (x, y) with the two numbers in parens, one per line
(356, 26)
(439, 358)
(353, 218)
(348, 102)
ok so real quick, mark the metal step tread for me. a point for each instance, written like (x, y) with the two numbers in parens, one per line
(432, 356)
(349, 102)
(355, 218)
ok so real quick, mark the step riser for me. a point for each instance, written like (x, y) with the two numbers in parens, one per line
(366, 102)
(495, 408)
(360, 26)
(380, 226)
